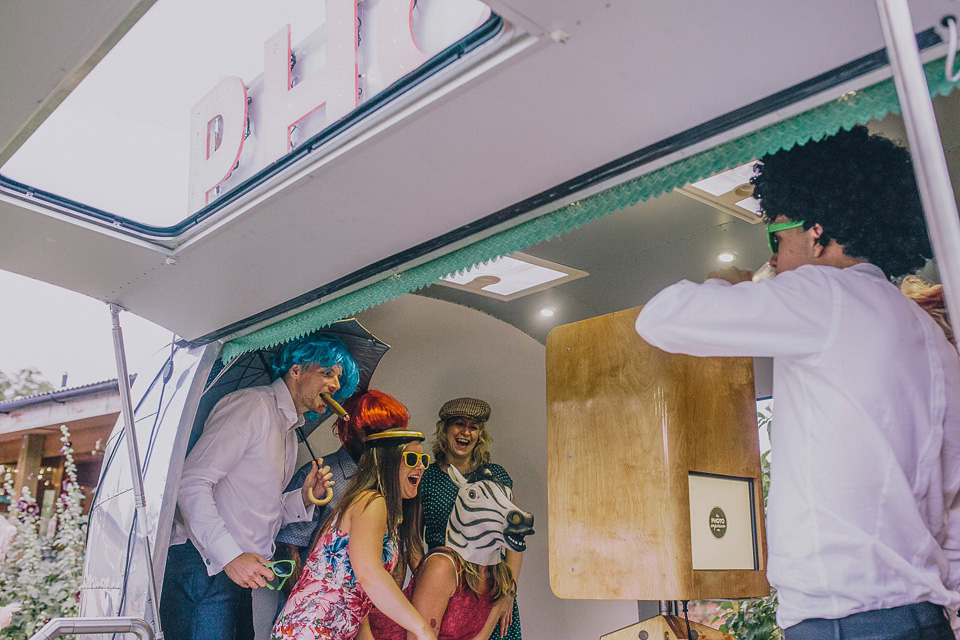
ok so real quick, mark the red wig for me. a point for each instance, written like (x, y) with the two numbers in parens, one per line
(370, 412)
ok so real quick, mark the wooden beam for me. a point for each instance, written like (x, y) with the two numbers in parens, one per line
(28, 464)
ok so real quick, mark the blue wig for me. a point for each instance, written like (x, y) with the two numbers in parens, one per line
(323, 350)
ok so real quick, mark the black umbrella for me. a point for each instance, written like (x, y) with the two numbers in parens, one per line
(253, 368)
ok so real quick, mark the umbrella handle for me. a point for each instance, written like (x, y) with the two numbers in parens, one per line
(322, 501)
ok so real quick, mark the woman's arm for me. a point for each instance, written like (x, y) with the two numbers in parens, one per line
(367, 526)
(514, 561)
(365, 633)
(504, 604)
(436, 584)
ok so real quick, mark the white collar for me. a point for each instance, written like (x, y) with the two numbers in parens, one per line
(285, 403)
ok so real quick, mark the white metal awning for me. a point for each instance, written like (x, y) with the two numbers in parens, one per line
(574, 86)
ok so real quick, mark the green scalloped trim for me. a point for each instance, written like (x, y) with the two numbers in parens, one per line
(875, 101)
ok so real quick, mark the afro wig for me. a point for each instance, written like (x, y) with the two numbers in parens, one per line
(859, 187)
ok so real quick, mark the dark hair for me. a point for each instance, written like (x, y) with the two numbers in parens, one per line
(378, 474)
(323, 350)
(371, 412)
(860, 188)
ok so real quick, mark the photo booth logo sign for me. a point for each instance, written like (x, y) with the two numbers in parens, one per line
(363, 47)
(718, 522)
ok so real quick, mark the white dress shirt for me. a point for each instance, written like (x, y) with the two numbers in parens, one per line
(231, 498)
(865, 473)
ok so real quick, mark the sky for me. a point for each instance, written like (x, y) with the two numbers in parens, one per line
(139, 98)
(57, 331)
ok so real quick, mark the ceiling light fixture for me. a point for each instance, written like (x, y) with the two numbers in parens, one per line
(546, 312)
(726, 256)
(729, 191)
(511, 277)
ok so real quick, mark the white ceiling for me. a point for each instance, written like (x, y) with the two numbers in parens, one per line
(631, 74)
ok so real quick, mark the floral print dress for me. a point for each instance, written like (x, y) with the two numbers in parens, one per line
(328, 602)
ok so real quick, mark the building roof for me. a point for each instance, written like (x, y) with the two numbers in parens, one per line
(60, 395)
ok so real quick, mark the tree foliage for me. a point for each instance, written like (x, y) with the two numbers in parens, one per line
(22, 383)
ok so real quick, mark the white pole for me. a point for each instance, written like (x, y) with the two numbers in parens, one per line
(929, 164)
(126, 407)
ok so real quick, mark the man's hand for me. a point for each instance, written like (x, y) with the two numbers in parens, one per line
(733, 275)
(319, 480)
(247, 570)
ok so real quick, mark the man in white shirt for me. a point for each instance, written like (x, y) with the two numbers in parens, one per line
(864, 504)
(231, 502)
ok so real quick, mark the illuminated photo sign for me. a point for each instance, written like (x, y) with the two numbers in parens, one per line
(239, 128)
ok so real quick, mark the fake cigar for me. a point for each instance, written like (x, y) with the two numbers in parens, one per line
(335, 406)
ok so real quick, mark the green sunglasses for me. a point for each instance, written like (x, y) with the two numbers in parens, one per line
(281, 569)
(773, 241)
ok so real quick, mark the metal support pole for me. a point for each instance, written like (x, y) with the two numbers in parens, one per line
(126, 406)
(83, 626)
(929, 164)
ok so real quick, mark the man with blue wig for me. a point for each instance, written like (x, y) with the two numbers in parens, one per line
(232, 503)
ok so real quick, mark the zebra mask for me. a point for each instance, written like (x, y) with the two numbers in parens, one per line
(485, 521)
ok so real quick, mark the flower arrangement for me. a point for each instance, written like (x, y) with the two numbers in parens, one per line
(40, 574)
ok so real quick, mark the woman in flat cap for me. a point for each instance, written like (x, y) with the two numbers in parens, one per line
(463, 441)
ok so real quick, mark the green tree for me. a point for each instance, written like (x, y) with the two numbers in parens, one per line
(23, 383)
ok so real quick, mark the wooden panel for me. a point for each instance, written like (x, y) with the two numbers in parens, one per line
(626, 423)
(666, 628)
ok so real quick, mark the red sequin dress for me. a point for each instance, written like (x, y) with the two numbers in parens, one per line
(464, 618)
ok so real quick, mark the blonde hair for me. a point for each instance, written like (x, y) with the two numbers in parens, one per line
(930, 299)
(502, 583)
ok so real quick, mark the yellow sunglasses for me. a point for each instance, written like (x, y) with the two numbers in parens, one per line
(411, 458)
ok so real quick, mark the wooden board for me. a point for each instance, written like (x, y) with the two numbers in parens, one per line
(626, 423)
(666, 628)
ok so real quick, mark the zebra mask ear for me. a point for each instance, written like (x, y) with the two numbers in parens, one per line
(456, 476)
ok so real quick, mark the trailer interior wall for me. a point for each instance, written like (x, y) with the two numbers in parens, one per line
(440, 351)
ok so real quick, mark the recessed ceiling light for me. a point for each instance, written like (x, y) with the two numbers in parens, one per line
(546, 312)
(729, 191)
(511, 276)
(726, 256)
(726, 181)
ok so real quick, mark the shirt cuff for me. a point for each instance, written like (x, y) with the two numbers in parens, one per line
(220, 553)
(294, 509)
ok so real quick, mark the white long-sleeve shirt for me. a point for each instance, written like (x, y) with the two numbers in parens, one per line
(865, 473)
(231, 498)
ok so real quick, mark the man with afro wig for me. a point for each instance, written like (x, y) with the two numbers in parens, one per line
(864, 503)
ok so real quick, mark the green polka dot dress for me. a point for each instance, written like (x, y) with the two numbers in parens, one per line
(438, 494)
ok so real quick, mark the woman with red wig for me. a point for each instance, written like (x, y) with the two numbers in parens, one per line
(370, 412)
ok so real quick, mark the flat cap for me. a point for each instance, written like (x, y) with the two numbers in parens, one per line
(465, 407)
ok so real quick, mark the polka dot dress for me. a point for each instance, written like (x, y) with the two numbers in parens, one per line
(438, 494)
